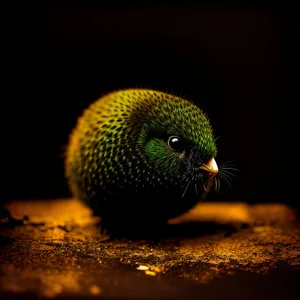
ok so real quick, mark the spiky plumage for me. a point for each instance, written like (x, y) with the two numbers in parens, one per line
(118, 160)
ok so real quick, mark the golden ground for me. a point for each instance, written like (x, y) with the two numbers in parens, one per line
(53, 248)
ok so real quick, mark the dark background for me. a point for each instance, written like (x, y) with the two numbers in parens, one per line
(230, 59)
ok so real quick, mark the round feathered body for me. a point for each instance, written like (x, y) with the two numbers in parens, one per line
(140, 156)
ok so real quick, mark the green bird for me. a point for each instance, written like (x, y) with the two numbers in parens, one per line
(140, 157)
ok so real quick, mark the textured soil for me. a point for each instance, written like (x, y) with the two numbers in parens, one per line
(54, 249)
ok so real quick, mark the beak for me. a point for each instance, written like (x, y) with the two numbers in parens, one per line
(211, 167)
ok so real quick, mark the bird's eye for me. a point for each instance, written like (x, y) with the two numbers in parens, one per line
(175, 144)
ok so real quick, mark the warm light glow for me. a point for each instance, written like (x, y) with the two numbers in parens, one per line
(95, 290)
(142, 268)
(150, 273)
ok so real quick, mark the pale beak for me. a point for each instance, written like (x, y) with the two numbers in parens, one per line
(211, 167)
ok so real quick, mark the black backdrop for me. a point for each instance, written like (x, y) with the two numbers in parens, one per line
(231, 60)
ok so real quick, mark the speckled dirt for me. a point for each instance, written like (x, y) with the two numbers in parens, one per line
(54, 249)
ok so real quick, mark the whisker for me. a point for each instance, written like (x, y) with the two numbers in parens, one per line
(185, 177)
(184, 182)
(225, 180)
(194, 180)
(217, 138)
(203, 184)
(196, 190)
(228, 162)
(229, 184)
(225, 175)
(187, 186)
(228, 173)
(229, 168)
(217, 184)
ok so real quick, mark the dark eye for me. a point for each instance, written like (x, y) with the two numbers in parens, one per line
(175, 143)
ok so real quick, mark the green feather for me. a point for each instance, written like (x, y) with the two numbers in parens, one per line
(118, 155)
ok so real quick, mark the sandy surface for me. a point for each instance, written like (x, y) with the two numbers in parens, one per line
(54, 249)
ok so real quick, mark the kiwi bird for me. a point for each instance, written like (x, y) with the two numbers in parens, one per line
(140, 156)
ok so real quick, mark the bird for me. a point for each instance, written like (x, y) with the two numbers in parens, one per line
(139, 157)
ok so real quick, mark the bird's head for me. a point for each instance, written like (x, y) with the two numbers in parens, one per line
(178, 144)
